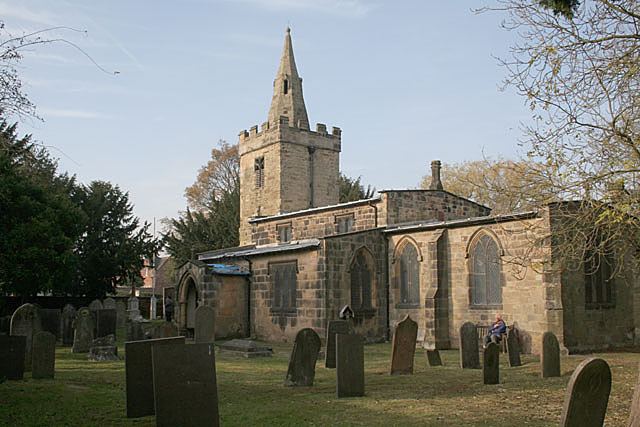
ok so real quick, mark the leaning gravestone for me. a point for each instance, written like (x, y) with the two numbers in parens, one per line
(634, 416)
(26, 322)
(68, 315)
(106, 322)
(404, 347)
(205, 330)
(585, 403)
(433, 357)
(302, 364)
(491, 364)
(12, 356)
(83, 331)
(469, 357)
(139, 374)
(164, 330)
(334, 327)
(44, 355)
(349, 365)
(184, 385)
(50, 318)
(513, 348)
(550, 356)
(121, 314)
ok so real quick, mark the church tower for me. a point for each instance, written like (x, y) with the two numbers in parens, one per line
(285, 166)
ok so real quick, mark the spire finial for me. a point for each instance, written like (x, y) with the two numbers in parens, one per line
(288, 29)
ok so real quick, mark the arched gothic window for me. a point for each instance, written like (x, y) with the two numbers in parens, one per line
(361, 278)
(409, 275)
(485, 273)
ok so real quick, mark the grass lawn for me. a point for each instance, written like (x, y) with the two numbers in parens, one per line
(251, 393)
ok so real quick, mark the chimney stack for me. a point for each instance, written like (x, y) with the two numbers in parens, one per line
(436, 184)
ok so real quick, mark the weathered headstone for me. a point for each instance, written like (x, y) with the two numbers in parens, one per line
(513, 348)
(491, 364)
(164, 330)
(433, 357)
(44, 355)
(334, 327)
(121, 314)
(184, 385)
(26, 322)
(95, 305)
(12, 356)
(83, 331)
(469, 357)
(302, 364)
(587, 396)
(135, 332)
(133, 309)
(404, 347)
(246, 348)
(205, 330)
(109, 303)
(68, 316)
(50, 318)
(103, 349)
(634, 414)
(139, 374)
(106, 319)
(349, 365)
(550, 356)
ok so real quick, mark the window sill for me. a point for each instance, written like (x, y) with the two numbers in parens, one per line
(408, 305)
(485, 307)
(600, 306)
(288, 312)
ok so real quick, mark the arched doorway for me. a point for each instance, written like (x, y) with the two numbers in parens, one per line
(191, 303)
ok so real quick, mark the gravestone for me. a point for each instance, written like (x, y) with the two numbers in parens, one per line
(139, 374)
(106, 322)
(109, 303)
(334, 327)
(403, 347)
(68, 316)
(433, 357)
(513, 348)
(634, 415)
(302, 364)
(469, 356)
(587, 396)
(103, 349)
(95, 305)
(349, 365)
(164, 330)
(205, 330)
(133, 309)
(121, 314)
(50, 318)
(26, 322)
(550, 356)
(83, 331)
(12, 356)
(491, 364)
(44, 355)
(184, 385)
(246, 348)
(135, 332)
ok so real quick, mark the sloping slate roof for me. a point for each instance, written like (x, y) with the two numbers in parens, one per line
(229, 270)
(263, 250)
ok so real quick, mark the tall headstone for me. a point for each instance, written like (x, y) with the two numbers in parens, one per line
(184, 385)
(334, 327)
(12, 356)
(44, 355)
(404, 347)
(83, 331)
(491, 364)
(349, 365)
(634, 414)
(26, 322)
(68, 316)
(513, 348)
(109, 303)
(121, 314)
(133, 309)
(50, 318)
(433, 358)
(302, 363)
(469, 356)
(106, 322)
(205, 330)
(585, 403)
(550, 356)
(139, 374)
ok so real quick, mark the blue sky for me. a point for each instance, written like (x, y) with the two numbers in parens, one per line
(407, 81)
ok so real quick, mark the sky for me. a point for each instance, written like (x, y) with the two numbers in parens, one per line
(152, 86)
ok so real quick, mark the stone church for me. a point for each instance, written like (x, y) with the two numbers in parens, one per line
(438, 257)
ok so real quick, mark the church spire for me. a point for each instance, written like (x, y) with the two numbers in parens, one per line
(287, 90)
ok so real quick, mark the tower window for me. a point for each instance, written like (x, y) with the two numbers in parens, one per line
(259, 172)
(286, 86)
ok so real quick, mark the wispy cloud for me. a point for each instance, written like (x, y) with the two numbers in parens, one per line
(336, 7)
(71, 114)
(22, 13)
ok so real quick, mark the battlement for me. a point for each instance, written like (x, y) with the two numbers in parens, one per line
(283, 123)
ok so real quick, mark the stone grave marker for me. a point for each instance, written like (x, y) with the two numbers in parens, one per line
(469, 356)
(550, 356)
(139, 374)
(433, 358)
(68, 316)
(164, 330)
(121, 314)
(26, 322)
(349, 365)
(205, 330)
(302, 363)
(513, 348)
(634, 415)
(106, 322)
(44, 355)
(246, 348)
(83, 331)
(334, 327)
(133, 309)
(404, 347)
(109, 303)
(50, 318)
(104, 349)
(587, 396)
(12, 356)
(184, 385)
(491, 364)
(135, 332)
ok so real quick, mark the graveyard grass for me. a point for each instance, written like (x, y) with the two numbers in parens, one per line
(251, 392)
